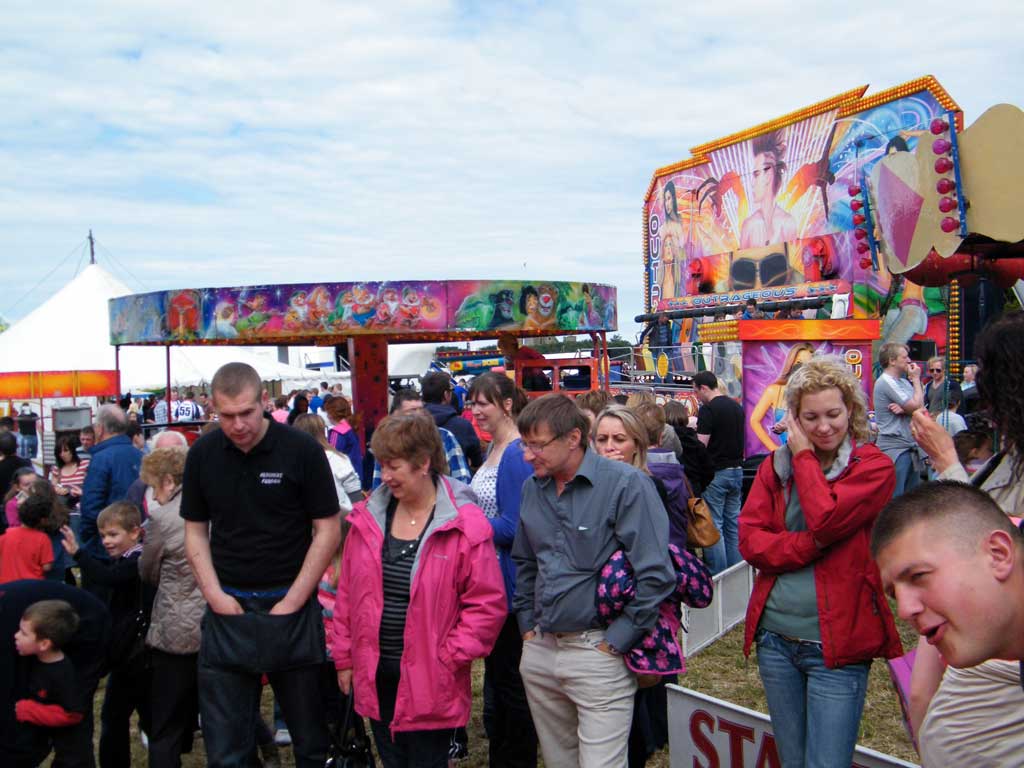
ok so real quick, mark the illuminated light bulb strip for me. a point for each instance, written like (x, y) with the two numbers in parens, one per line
(953, 328)
(721, 330)
(926, 83)
(836, 102)
(647, 256)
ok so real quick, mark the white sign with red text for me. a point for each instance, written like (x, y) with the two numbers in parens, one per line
(705, 732)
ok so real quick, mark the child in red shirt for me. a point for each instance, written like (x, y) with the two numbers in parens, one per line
(26, 551)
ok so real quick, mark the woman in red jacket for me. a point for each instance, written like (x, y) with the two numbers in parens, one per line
(818, 613)
(419, 597)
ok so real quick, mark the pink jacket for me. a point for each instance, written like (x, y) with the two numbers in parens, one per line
(456, 609)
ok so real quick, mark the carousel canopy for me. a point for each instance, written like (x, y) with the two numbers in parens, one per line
(71, 331)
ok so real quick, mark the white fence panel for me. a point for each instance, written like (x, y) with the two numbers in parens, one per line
(705, 732)
(727, 609)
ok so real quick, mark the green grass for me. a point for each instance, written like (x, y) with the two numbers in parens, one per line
(719, 670)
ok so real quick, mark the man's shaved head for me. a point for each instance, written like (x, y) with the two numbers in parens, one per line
(954, 510)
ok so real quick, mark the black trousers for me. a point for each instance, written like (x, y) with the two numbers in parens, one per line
(513, 741)
(649, 732)
(127, 692)
(72, 746)
(174, 706)
(408, 749)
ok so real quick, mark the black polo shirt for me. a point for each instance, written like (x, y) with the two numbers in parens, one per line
(260, 505)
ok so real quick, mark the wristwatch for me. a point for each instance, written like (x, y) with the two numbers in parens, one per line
(607, 647)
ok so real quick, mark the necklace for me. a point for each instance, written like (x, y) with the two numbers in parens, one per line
(414, 517)
(407, 548)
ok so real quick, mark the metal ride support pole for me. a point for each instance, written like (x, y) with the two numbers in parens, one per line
(606, 365)
(167, 392)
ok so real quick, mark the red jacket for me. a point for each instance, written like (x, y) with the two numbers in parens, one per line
(456, 609)
(856, 623)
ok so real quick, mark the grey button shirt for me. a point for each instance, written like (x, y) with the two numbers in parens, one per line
(564, 540)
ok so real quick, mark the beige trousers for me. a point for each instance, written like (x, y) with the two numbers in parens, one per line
(581, 699)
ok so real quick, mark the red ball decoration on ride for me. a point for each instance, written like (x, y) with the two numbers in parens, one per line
(865, 263)
(863, 248)
(943, 165)
(941, 146)
(939, 126)
(853, 189)
(947, 204)
(858, 219)
(949, 225)
(860, 234)
(945, 186)
(856, 205)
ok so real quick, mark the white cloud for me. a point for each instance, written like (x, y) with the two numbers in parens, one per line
(217, 144)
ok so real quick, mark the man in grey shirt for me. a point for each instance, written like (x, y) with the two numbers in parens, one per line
(576, 510)
(895, 399)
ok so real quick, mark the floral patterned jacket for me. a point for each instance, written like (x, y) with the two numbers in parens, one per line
(658, 652)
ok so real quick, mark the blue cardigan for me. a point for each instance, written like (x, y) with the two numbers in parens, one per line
(513, 471)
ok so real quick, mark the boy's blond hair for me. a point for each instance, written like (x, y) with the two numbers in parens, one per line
(123, 514)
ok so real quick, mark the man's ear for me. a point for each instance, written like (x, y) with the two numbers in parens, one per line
(45, 644)
(1001, 553)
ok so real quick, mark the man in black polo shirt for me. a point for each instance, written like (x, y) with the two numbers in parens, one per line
(261, 524)
(720, 427)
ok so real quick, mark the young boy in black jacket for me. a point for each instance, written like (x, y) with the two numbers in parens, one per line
(54, 702)
(128, 685)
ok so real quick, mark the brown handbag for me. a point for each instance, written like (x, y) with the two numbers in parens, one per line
(700, 528)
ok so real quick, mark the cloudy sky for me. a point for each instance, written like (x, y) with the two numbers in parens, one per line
(235, 143)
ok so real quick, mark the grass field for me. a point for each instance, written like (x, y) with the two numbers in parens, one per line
(720, 670)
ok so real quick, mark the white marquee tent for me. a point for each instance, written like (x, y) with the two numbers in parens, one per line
(70, 331)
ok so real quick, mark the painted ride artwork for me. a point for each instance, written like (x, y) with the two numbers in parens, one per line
(847, 222)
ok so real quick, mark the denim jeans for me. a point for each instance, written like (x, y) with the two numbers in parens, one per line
(815, 710)
(723, 498)
(28, 446)
(907, 478)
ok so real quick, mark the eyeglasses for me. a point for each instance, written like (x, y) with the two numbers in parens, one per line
(934, 370)
(537, 449)
(772, 270)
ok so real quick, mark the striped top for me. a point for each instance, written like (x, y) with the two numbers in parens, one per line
(72, 481)
(398, 559)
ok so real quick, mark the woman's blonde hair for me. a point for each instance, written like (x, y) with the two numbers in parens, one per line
(636, 398)
(413, 437)
(314, 426)
(830, 372)
(161, 462)
(633, 426)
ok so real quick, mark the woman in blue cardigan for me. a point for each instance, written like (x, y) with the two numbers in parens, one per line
(495, 402)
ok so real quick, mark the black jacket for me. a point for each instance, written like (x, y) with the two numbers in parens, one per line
(446, 417)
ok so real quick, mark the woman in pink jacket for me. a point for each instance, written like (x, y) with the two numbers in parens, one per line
(420, 596)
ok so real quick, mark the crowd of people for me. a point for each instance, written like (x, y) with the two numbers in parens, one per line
(548, 537)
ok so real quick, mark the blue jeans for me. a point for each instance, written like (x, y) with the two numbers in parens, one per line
(28, 446)
(815, 710)
(907, 478)
(723, 498)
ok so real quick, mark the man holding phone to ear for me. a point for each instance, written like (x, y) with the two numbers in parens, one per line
(898, 394)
